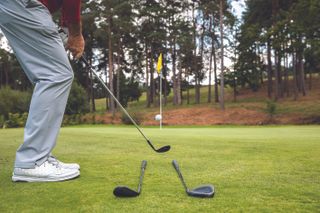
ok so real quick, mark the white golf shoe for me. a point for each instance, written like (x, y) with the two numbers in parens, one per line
(47, 172)
(55, 161)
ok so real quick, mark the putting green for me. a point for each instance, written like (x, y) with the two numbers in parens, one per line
(253, 169)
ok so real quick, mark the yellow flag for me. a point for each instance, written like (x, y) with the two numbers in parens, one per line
(159, 66)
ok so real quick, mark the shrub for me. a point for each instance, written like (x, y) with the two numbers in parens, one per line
(271, 108)
(2, 121)
(71, 120)
(77, 119)
(13, 101)
(78, 100)
(16, 120)
(137, 117)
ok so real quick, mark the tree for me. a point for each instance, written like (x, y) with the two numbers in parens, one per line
(222, 57)
(176, 28)
(151, 36)
(130, 90)
(87, 21)
(279, 29)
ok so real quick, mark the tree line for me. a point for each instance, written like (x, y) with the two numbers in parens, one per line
(279, 41)
(129, 36)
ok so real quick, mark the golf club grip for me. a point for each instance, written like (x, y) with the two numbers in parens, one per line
(176, 166)
(143, 167)
(85, 62)
(143, 164)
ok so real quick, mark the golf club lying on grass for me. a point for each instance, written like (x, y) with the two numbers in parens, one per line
(160, 150)
(124, 191)
(200, 191)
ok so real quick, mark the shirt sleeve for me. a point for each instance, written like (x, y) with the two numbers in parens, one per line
(71, 10)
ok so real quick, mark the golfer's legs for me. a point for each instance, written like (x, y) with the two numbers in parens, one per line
(36, 43)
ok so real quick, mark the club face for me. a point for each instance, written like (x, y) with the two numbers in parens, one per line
(202, 191)
(163, 149)
(123, 191)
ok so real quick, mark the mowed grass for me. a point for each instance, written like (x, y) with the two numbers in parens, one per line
(253, 169)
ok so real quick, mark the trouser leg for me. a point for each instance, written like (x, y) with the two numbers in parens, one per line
(33, 36)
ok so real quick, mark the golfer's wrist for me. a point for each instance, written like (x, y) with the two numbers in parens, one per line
(75, 29)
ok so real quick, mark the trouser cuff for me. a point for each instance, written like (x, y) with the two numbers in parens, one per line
(30, 165)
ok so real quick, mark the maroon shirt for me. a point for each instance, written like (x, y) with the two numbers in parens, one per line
(70, 9)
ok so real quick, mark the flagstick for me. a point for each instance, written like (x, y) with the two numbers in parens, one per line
(161, 99)
(159, 69)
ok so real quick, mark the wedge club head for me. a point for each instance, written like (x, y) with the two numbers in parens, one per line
(160, 150)
(202, 191)
(163, 149)
(124, 191)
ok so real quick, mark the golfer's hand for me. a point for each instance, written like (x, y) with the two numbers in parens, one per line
(76, 45)
(75, 42)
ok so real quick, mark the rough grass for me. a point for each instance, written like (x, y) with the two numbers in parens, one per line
(254, 169)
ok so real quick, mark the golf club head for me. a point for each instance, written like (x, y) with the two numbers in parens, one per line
(161, 150)
(202, 191)
(123, 191)
(164, 149)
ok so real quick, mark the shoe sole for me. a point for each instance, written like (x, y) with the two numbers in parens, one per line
(18, 178)
(73, 168)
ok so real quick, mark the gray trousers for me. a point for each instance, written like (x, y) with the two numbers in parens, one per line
(33, 36)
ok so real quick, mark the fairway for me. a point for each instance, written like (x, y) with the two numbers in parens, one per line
(253, 169)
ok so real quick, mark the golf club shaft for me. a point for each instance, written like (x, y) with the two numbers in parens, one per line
(143, 167)
(115, 99)
(176, 166)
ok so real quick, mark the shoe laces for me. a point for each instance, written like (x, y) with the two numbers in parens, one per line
(53, 164)
(54, 161)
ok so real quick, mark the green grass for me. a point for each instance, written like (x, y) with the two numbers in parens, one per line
(254, 169)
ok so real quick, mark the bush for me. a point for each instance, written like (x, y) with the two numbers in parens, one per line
(72, 120)
(88, 119)
(13, 101)
(137, 117)
(271, 108)
(16, 120)
(82, 119)
(2, 121)
(78, 100)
